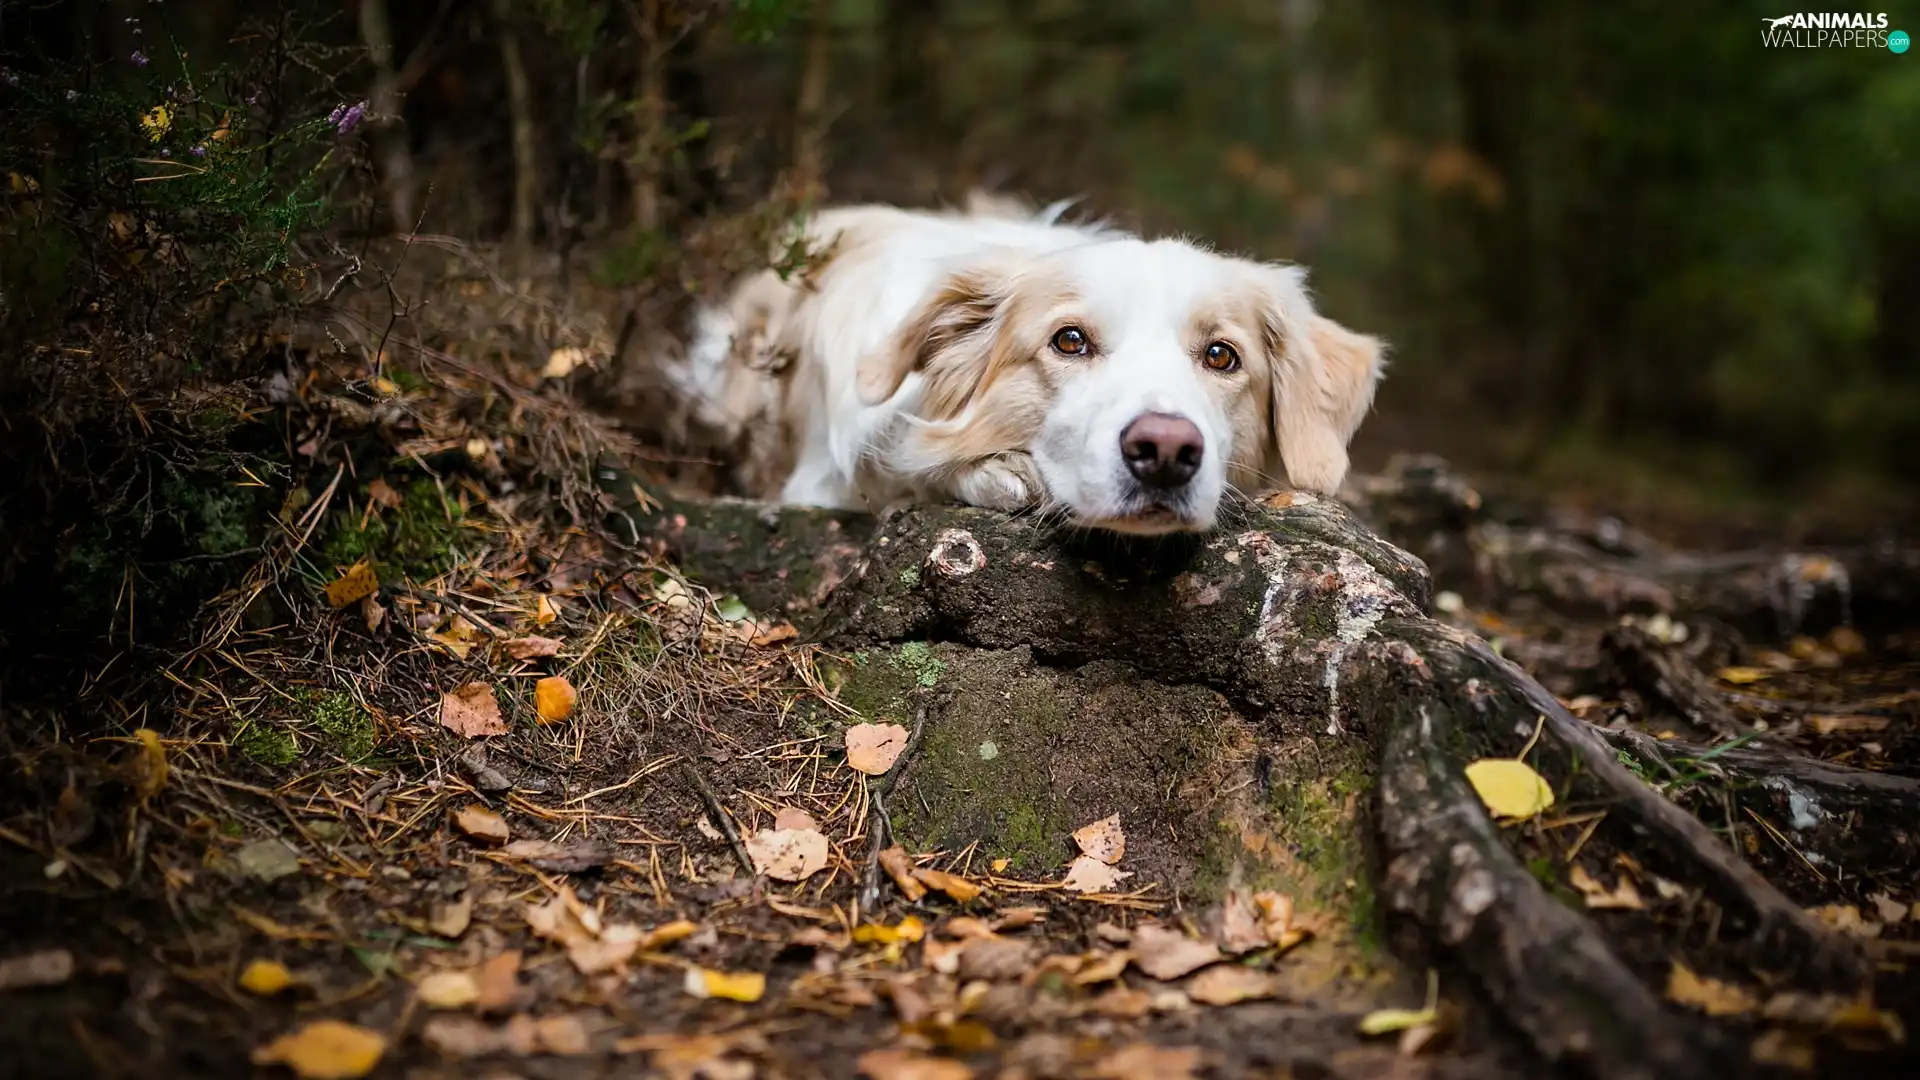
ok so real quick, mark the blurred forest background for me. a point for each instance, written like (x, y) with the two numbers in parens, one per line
(1619, 246)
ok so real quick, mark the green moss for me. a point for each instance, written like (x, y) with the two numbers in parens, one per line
(344, 726)
(916, 658)
(910, 576)
(267, 745)
(415, 539)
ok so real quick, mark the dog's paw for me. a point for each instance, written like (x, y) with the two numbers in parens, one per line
(1008, 482)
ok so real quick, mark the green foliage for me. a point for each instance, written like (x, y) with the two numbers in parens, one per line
(415, 539)
(760, 21)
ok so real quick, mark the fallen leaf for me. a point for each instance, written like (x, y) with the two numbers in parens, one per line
(1742, 676)
(562, 361)
(1102, 840)
(265, 978)
(688, 1057)
(1890, 910)
(373, 612)
(1089, 875)
(459, 637)
(791, 817)
(1230, 984)
(740, 986)
(1276, 920)
(611, 950)
(1167, 954)
(955, 886)
(358, 583)
(1388, 1021)
(472, 711)
(384, 493)
(533, 647)
(450, 918)
(553, 698)
(325, 1050)
(270, 928)
(762, 634)
(48, 967)
(559, 921)
(1509, 787)
(565, 1034)
(667, 933)
(572, 858)
(1711, 996)
(267, 860)
(448, 990)
(1823, 724)
(462, 1036)
(1101, 967)
(1000, 865)
(788, 854)
(909, 928)
(994, 959)
(499, 981)
(901, 1063)
(1622, 897)
(1145, 1061)
(150, 766)
(873, 748)
(1847, 920)
(481, 823)
(1834, 1012)
(1784, 1049)
(899, 867)
(1016, 918)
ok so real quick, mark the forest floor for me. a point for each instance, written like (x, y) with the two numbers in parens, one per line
(457, 782)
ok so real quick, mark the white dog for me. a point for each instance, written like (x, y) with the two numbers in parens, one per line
(997, 357)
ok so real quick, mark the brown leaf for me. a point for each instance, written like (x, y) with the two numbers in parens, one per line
(873, 748)
(481, 823)
(760, 635)
(48, 967)
(1102, 967)
(1824, 724)
(499, 980)
(562, 922)
(1145, 1061)
(448, 990)
(611, 950)
(554, 698)
(565, 1034)
(1090, 875)
(689, 1057)
(571, 858)
(383, 493)
(462, 1036)
(325, 1050)
(358, 583)
(1102, 840)
(373, 612)
(532, 647)
(1230, 984)
(899, 867)
(900, 1063)
(1166, 954)
(472, 711)
(955, 886)
(791, 817)
(995, 959)
(450, 918)
(788, 854)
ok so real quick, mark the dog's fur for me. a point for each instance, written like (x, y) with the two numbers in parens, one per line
(914, 364)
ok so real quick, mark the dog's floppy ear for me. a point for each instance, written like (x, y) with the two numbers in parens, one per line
(1324, 376)
(949, 336)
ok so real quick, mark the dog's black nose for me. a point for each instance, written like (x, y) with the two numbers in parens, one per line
(1162, 450)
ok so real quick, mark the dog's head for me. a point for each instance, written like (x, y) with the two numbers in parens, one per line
(1143, 378)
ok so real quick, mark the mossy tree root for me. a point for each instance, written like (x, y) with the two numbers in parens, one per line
(1310, 624)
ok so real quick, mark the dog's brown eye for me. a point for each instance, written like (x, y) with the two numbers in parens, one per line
(1221, 357)
(1071, 341)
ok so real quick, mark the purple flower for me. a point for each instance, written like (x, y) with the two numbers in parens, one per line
(139, 58)
(9, 77)
(198, 151)
(345, 118)
(164, 152)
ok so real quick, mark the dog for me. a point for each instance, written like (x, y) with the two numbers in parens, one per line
(999, 356)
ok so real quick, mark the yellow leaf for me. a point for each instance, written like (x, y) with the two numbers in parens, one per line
(908, 929)
(150, 768)
(1102, 840)
(325, 1050)
(386, 386)
(1386, 1021)
(358, 583)
(1509, 787)
(553, 698)
(668, 933)
(1711, 996)
(265, 978)
(156, 122)
(737, 986)
(952, 884)
(1741, 676)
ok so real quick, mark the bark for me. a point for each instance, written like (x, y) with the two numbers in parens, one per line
(392, 155)
(526, 166)
(1270, 704)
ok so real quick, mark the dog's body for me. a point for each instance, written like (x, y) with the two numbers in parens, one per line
(997, 357)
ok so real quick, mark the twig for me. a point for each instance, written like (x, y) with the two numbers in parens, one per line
(458, 608)
(717, 814)
(879, 825)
